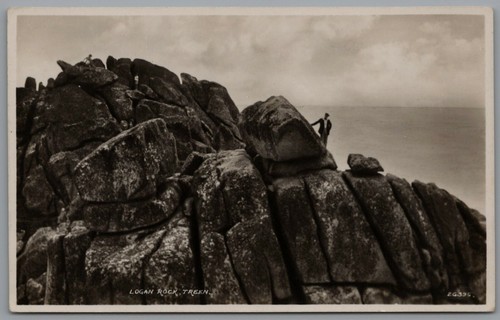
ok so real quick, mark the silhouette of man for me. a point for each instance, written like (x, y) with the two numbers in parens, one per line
(88, 60)
(325, 125)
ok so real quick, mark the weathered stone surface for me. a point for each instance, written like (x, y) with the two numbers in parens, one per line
(352, 251)
(50, 83)
(88, 76)
(195, 88)
(20, 243)
(60, 170)
(332, 295)
(172, 267)
(227, 138)
(75, 245)
(228, 189)
(476, 278)
(230, 194)
(297, 223)
(185, 126)
(147, 70)
(212, 98)
(114, 265)
(135, 95)
(209, 202)
(30, 83)
(128, 166)
(33, 261)
(25, 103)
(148, 92)
(451, 230)
(92, 76)
(275, 130)
(126, 268)
(386, 296)
(118, 100)
(392, 227)
(360, 164)
(117, 217)
(218, 274)
(38, 192)
(257, 260)
(294, 167)
(122, 68)
(220, 105)
(35, 290)
(98, 63)
(71, 117)
(430, 247)
(168, 92)
(192, 163)
(178, 122)
(55, 291)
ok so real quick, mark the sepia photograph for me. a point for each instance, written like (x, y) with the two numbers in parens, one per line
(251, 159)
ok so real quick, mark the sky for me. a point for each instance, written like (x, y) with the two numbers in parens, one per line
(394, 61)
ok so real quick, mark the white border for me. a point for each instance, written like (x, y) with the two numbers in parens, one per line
(13, 13)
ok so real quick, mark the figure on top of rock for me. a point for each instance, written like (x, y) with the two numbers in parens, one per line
(88, 61)
(325, 125)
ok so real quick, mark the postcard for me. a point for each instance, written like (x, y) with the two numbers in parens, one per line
(251, 159)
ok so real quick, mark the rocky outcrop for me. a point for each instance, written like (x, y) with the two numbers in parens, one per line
(128, 166)
(135, 187)
(284, 142)
(233, 213)
(363, 165)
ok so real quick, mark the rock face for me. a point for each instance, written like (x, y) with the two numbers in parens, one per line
(129, 166)
(275, 130)
(284, 141)
(363, 165)
(135, 187)
(233, 212)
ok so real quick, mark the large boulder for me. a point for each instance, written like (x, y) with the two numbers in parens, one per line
(351, 247)
(118, 261)
(232, 207)
(430, 248)
(218, 274)
(172, 266)
(146, 70)
(297, 222)
(88, 76)
(360, 164)
(389, 221)
(275, 130)
(120, 104)
(123, 69)
(33, 260)
(451, 230)
(71, 118)
(168, 92)
(185, 127)
(25, 103)
(128, 166)
(38, 192)
(75, 245)
(126, 216)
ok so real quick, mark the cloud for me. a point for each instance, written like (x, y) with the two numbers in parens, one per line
(416, 60)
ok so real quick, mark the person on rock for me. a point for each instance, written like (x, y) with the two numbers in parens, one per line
(88, 61)
(325, 125)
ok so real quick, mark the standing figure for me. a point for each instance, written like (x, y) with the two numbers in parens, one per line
(325, 125)
(88, 60)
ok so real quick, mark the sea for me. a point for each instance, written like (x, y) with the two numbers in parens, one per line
(441, 145)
